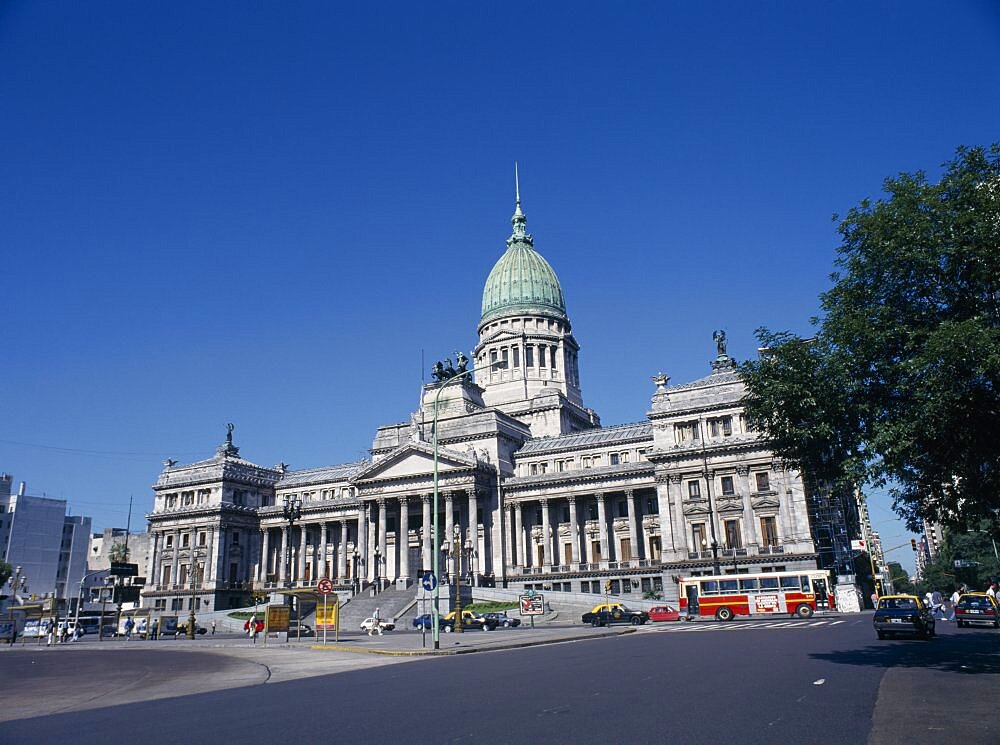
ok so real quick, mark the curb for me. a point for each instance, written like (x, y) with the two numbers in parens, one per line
(467, 650)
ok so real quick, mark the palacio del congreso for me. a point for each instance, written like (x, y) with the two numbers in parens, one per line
(533, 492)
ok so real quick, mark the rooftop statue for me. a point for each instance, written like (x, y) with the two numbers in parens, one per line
(719, 337)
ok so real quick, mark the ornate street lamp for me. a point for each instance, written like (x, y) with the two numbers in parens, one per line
(456, 555)
(377, 578)
(291, 510)
(196, 572)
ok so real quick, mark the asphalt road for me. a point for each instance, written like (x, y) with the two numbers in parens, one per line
(706, 684)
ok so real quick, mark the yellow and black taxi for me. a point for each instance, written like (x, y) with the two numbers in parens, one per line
(470, 621)
(975, 608)
(903, 614)
(606, 614)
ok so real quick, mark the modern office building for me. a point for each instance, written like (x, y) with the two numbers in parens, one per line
(37, 535)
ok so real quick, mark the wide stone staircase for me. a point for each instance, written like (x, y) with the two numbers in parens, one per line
(391, 604)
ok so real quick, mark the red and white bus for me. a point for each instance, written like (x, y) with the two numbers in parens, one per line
(768, 593)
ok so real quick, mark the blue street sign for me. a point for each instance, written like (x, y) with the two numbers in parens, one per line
(429, 581)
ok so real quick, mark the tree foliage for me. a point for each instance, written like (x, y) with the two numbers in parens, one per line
(977, 547)
(6, 570)
(119, 552)
(900, 579)
(899, 385)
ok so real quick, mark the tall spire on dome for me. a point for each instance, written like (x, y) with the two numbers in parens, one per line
(518, 220)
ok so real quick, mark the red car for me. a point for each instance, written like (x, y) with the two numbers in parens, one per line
(664, 613)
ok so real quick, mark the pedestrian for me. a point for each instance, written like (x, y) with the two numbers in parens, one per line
(253, 631)
(64, 632)
(874, 600)
(992, 590)
(955, 597)
(937, 603)
(154, 630)
(50, 633)
(129, 625)
(213, 627)
(376, 624)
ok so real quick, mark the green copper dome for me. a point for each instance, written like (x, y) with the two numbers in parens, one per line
(522, 281)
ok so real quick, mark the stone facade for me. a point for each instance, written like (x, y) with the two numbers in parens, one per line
(536, 492)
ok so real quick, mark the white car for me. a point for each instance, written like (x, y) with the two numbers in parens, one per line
(369, 623)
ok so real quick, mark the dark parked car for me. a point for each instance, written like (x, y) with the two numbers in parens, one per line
(617, 614)
(504, 620)
(426, 621)
(470, 621)
(977, 608)
(903, 614)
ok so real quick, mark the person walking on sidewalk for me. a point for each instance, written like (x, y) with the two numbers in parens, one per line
(213, 627)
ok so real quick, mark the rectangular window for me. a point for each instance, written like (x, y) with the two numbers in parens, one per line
(201, 539)
(727, 486)
(623, 509)
(624, 457)
(517, 356)
(698, 536)
(592, 510)
(641, 454)
(728, 585)
(733, 539)
(749, 585)
(234, 571)
(493, 356)
(769, 583)
(585, 461)
(170, 541)
(614, 459)
(236, 538)
(763, 482)
(165, 577)
(790, 583)
(503, 357)
(185, 540)
(542, 467)
(552, 357)
(529, 356)
(534, 469)
(652, 507)
(626, 553)
(769, 531)
(694, 490)
(727, 425)
(654, 547)
(541, 356)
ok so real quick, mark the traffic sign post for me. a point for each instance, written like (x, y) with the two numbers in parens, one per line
(428, 581)
(325, 587)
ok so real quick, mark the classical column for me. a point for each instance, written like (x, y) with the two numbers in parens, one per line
(518, 536)
(174, 566)
(602, 526)
(427, 530)
(321, 564)
(573, 534)
(511, 543)
(154, 563)
(362, 541)
(342, 552)
(677, 514)
(303, 544)
(383, 546)
(283, 559)
(264, 557)
(633, 527)
(403, 538)
(474, 532)
(546, 534)
(750, 536)
(449, 518)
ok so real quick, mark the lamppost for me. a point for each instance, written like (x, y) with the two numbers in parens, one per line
(79, 599)
(16, 582)
(377, 580)
(355, 581)
(458, 376)
(291, 510)
(456, 555)
(196, 572)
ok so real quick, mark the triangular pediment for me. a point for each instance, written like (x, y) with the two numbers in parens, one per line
(414, 459)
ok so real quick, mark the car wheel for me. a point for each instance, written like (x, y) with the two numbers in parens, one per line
(881, 634)
(636, 621)
(804, 611)
(723, 614)
(506, 624)
(447, 629)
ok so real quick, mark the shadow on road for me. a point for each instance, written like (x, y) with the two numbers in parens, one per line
(972, 651)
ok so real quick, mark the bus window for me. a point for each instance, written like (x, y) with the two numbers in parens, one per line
(769, 583)
(710, 587)
(727, 585)
(748, 585)
(789, 583)
(805, 583)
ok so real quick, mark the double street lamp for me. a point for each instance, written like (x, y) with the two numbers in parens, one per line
(291, 510)
(458, 376)
(197, 572)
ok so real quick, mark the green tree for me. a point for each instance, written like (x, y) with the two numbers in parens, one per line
(6, 570)
(899, 385)
(900, 579)
(118, 552)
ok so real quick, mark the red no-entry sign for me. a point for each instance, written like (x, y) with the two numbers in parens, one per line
(325, 586)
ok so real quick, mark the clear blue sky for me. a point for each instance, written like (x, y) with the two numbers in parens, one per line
(262, 213)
